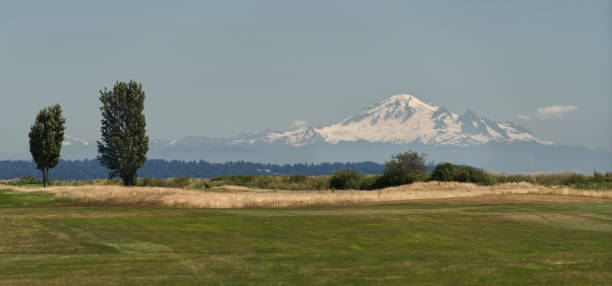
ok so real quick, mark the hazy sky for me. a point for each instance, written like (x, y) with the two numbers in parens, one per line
(226, 67)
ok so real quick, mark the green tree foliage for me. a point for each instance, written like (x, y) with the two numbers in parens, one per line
(449, 172)
(403, 168)
(445, 172)
(46, 136)
(345, 180)
(469, 174)
(124, 143)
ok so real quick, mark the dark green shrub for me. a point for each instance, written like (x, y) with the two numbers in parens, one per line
(345, 179)
(27, 180)
(319, 183)
(369, 182)
(445, 172)
(572, 179)
(469, 174)
(297, 179)
(478, 176)
(449, 172)
(598, 177)
(239, 180)
(404, 168)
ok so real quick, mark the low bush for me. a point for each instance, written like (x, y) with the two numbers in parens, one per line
(473, 175)
(239, 180)
(29, 180)
(297, 179)
(151, 182)
(403, 168)
(445, 172)
(369, 182)
(180, 182)
(318, 183)
(345, 180)
(449, 172)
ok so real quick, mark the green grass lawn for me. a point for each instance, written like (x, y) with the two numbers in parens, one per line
(45, 241)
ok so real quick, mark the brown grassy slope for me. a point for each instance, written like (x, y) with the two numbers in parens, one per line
(241, 197)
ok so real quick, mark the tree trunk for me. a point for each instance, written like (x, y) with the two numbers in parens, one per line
(133, 180)
(45, 172)
(129, 180)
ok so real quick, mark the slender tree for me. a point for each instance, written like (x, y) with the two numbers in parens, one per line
(124, 142)
(46, 137)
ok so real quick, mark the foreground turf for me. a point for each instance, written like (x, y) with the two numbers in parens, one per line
(49, 242)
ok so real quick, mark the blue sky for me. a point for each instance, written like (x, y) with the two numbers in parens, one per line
(219, 68)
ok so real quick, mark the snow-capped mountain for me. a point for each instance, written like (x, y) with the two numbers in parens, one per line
(73, 141)
(396, 124)
(404, 119)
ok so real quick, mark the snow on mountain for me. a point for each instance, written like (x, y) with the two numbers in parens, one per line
(404, 119)
(298, 137)
(69, 140)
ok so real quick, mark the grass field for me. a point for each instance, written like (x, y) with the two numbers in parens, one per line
(507, 239)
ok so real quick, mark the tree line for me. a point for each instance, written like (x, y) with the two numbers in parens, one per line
(161, 169)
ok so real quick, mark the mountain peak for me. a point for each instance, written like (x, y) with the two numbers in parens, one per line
(69, 140)
(402, 96)
(407, 100)
(469, 115)
(405, 119)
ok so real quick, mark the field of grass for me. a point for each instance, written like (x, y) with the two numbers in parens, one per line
(243, 197)
(508, 239)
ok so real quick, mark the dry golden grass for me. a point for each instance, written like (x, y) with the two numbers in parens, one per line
(241, 197)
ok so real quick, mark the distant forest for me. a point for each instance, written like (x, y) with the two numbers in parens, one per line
(161, 169)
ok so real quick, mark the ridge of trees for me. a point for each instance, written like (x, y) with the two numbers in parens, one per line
(161, 169)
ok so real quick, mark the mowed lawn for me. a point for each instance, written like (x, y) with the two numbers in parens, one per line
(44, 241)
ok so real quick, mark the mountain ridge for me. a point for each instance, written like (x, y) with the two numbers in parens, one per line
(404, 119)
(396, 124)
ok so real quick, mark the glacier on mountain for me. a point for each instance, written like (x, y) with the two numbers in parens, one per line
(404, 119)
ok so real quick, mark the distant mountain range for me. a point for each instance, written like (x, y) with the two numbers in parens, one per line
(404, 119)
(397, 124)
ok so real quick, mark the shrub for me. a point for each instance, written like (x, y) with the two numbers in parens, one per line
(369, 182)
(180, 182)
(572, 179)
(297, 179)
(27, 180)
(449, 172)
(598, 177)
(345, 179)
(319, 183)
(151, 182)
(201, 184)
(239, 180)
(404, 168)
(263, 182)
(217, 179)
(445, 172)
(477, 176)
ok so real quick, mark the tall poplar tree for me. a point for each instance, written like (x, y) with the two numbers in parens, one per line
(46, 137)
(124, 144)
